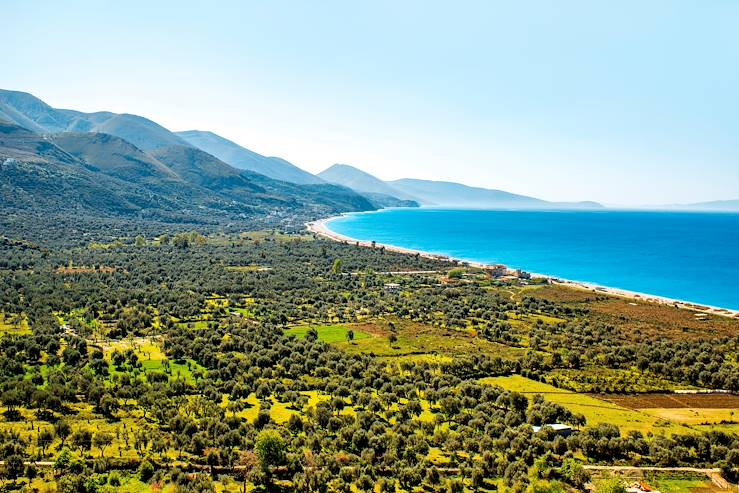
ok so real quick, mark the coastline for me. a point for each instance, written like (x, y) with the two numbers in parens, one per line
(320, 228)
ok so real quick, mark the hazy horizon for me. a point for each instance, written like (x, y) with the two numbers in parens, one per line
(627, 104)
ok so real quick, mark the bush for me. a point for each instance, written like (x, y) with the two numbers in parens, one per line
(146, 471)
(270, 448)
(114, 479)
(63, 460)
(610, 486)
(574, 473)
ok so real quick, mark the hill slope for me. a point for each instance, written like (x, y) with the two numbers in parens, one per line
(451, 194)
(361, 181)
(30, 112)
(242, 158)
(458, 195)
(113, 156)
(716, 205)
(202, 169)
(92, 173)
(36, 174)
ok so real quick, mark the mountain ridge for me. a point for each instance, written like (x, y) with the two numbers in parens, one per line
(240, 157)
(97, 173)
(440, 193)
(30, 112)
(361, 181)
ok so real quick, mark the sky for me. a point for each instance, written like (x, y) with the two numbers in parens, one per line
(628, 102)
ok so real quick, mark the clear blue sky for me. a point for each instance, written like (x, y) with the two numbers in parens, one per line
(623, 102)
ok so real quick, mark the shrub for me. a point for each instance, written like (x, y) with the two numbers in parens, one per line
(146, 471)
(114, 479)
(610, 486)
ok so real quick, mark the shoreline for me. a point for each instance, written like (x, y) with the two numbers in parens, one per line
(320, 228)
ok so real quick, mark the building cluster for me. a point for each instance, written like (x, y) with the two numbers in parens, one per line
(500, 271)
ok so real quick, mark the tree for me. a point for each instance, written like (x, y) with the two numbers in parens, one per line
(312, 335)
(336, 267)
(270, 448)
(393, 339)
(62, 430)
(140, 241)
(574, 473)
(337, 403)
(102, 440)
(44, 439)
(248, 468)
(349, 335)
(146, 471)
(82, 439)
(181, 240)
(454, 485)
(13, 467)
(11, 399)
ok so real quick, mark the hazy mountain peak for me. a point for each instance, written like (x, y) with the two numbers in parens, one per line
(361, 181)
(30, 112)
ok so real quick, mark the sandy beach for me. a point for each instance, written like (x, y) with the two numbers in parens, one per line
(320, 228)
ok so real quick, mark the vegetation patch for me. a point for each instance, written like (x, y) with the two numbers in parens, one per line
(596, 411)
(329, 334)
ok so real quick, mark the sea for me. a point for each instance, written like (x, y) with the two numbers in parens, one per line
(687, 256)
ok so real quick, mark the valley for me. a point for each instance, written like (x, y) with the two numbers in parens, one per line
(179, 356)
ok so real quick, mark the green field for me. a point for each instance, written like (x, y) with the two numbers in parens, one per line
(328, 333)
(424, 343)
(153, 359)
(13, 325)
(595, 410)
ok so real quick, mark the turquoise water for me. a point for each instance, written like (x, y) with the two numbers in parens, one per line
(686, 256)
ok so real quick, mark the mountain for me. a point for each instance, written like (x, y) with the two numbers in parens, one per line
(716, 205)
(411, 192)
(113, 156)
(36, 174)
(140, 131)
(242, 158)
(379, 192)
(458, 195)
(333, 197)
(30, 112)
(361, 181)
(93, 173)
(443, 193)
(200, 168)
(203, 169)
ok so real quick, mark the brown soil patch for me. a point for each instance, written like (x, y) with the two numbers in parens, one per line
(673, 401)
(639, 320)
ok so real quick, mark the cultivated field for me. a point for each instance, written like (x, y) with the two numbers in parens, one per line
(673, 401)
(638, 320)
(596, 411)
(700, 411)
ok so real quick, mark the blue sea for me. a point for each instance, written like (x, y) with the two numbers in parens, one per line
(687, 256)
